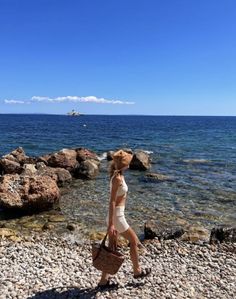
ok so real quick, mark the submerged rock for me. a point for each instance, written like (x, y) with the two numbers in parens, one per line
(196, 161)
(35, 193)
(7, 232)
(154, 229)
(56, 218)
(156, 178)
(140, 161)
(223, 234)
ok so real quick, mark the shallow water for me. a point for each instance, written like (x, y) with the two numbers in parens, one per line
(194, 200)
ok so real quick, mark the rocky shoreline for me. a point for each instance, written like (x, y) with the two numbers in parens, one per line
(32, 184)
(47, 265)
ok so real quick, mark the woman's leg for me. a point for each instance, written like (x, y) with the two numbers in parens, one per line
(104, 278)
(131, 236)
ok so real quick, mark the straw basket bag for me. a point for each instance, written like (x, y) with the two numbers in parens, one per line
(106, 259)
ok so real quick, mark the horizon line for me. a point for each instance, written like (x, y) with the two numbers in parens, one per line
(93, 114)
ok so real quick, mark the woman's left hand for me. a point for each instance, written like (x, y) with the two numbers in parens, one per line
(111, 231)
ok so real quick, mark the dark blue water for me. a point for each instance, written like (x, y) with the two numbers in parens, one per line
(199, 152)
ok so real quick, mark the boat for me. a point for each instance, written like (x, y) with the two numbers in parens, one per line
(74, 113)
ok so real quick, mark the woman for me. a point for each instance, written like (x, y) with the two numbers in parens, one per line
(116, 218)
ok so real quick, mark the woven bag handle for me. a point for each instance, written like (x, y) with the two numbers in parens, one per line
(100, 247)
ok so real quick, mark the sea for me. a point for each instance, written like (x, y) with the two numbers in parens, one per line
(198, 153)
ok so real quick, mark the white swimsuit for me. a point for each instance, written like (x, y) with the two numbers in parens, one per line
(119, 220)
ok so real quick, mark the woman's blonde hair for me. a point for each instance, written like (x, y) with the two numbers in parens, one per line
(112, 169)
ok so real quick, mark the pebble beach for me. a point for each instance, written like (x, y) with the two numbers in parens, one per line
(47, 265)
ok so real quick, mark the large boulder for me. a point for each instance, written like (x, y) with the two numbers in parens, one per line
(9, 166)
(85, 154)
(17, 155)
(35, 193)
(162, 231)
(87, 169)
(140, 161)
(60, 175)
(223, 234)
(65, 158)
(13, 162)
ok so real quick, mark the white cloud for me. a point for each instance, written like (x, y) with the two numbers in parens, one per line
(88, 99)
(13, 102)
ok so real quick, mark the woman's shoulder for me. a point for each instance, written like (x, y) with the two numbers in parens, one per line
(116, 178)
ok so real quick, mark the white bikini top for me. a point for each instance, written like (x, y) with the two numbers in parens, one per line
(122, 189)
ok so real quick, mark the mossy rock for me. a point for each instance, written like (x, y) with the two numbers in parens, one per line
(25, 219)
(94, 236)
(48, 226)
(15, 239)
(33, 225)
(56, 218)
(7, 232)
(195, 234)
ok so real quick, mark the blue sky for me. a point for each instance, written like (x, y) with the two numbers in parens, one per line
(175, 57)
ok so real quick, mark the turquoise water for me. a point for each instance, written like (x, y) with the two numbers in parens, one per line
(199, 153)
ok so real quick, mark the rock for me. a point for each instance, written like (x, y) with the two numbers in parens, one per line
(84, 154)
(195, 233)
(33, 226)
(97, 236)
(29, 169)
(41, 165)
(15, 239)
(60, 175)
(28, 193)
(12, 162)
(9, 166)
(140, 161)
(196, 161)
(65, 158)
(48, 226)
(155, 229)
(43, 159)
(56, 218)
(19, 155)
(156, 178)
(110, 155)
(223, 234)
(71, 226)
(7, 232)
(63, 176)
(87, 169)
